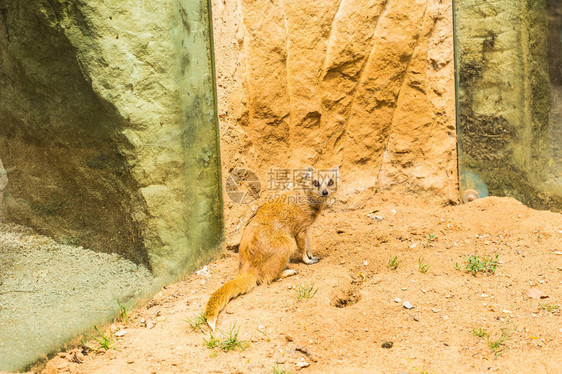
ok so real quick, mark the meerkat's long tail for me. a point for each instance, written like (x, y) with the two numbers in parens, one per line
(240, 285)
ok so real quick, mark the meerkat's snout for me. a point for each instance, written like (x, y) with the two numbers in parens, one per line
(325, 192)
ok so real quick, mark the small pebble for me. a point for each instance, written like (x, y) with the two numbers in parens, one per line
(387, 344)
(397, 300)
(407, 305)
(303, 364)
(121, 333)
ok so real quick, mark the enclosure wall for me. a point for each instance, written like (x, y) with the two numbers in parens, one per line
(510, 129)
(109, 130)
(109, 145)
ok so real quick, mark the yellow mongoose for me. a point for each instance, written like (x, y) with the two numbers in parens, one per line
(276, 235)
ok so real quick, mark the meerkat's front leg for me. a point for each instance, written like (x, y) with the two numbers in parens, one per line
(287, 273)
(303, 243)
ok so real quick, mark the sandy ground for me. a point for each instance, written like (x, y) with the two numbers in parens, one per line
(359, 303)
(48, 291)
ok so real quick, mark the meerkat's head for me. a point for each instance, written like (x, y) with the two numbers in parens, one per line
(321, 184)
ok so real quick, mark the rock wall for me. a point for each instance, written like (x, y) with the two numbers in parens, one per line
(366, 85)
(108, 126)
(505, 99)
(3, 183)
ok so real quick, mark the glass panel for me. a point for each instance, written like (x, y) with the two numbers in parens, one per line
(110, 178)
(509, 100)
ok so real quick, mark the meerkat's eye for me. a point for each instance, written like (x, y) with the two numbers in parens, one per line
(315, 183)
(331, 183)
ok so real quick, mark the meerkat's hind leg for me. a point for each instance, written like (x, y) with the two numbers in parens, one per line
(310, 260)
(287, 273)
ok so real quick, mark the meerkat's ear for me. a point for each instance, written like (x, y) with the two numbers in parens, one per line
(308, 173)
(337, 172)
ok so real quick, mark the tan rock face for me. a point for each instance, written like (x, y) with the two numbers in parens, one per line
(367, 85)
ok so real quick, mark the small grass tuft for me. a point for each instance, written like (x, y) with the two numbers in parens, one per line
(276, 370)
(422, 371)
(197, 322)
(550, 307)
(487, 265)
(105, 341)
(305, 291)
(212, 342)
(431, 238)
(423, 267)
(232, 342)
(393, 263)
(123, 312)
(499, 345)
(479, 332)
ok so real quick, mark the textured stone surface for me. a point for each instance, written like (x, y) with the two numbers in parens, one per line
(108, 126)
(3, 184)
(505, 99)
(367, 85)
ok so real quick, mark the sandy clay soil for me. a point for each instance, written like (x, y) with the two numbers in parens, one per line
(359, 304)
